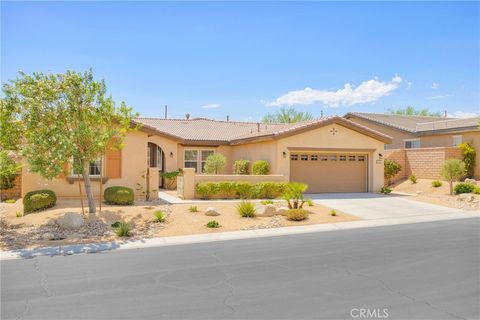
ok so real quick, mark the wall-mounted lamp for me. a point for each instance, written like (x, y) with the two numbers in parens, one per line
(171, 154)
(284, 153)
(380, 156)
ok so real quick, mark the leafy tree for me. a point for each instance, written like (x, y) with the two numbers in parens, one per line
(390, 169)
(469, 155)
(453, 170)
(287, 115)
(8, 171)
(411, 111)
(215, 163)
(64, 117)
(11, 126)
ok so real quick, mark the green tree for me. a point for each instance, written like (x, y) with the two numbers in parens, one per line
(8, 171)
(287, 115)
(390, 169)
(10, 125)
(453, 170)
(215, 163)
(469, 155)
(64, 117)
(411, 111)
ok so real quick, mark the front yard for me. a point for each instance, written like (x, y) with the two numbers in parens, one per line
(39, 229)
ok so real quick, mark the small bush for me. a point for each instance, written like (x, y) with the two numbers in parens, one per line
(241, 189)
(464, 188)
(215, 163)
(333, 212)
(213, 224)
(227, 189)
(476, 190)
(260, 167)
(413, 179)
(244, 190)
(118, 195)
(297, 214)
(385, 190)
(39, 200)
(265, 202)
(159, 216)
(246, 209)
(18, 214)
(116, 224)
(10, 201)
(207, 189)
(123, 230)
(436, 183)
(193, 209)
(390, 169)
(309, 202)
(241, 167)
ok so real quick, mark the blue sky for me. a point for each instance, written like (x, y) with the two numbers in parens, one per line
(214, 59)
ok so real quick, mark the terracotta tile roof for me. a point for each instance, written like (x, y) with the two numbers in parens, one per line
(448, 124)
(206, 130)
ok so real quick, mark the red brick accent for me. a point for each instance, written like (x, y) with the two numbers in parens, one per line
(422, 162)
(16, 191)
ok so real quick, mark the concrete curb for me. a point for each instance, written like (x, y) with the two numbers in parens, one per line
(224, 236)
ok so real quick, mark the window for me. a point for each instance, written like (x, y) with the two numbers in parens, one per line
(343, 158)
(332, 157)
(410, 144)
(323, 157)
(294, 157)
(205, 154)
(351, 158)
(457, 140)
(314, 157)
(361, 158)
(94, 169)
(191, 159)
(304, 157)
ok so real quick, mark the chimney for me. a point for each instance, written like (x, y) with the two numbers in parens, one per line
(228, 118)
(187, 116)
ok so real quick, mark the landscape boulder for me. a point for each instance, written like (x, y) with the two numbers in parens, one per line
(282, 211)
(71, 220)
(48, 236)
(268, 210)
(211, 212)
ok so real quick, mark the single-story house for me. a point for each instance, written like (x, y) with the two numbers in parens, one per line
(421, 132)
(330, 154)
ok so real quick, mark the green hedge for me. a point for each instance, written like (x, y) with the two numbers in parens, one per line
(464, 188)
(119, 195)
(240, 189)
(260, 167)
(39, 200)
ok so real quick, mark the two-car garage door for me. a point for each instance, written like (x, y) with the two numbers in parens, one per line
(330, 172)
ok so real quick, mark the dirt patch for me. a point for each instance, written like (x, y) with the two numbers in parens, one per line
(32, 230)
(425, 192)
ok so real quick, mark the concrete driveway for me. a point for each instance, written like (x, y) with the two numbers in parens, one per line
(371, 206)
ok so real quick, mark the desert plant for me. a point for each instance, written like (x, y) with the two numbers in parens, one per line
(265, 202)
(293, 193)
(464, 188)
(385, 190)
(123, 230)
(390, 169)
(241, 167)
(309, 202)
(436, 183)
(116, 224)
(297, 214)
(213, 224)
(476, 190)
(10, 201)
(18, 214)
(333, 212)
(453, 170)
(215, 163)
(193, 209)
(413, 179)
(260, 167)
(246, 209)
(118, 195)
(159, 216)
(469, 155)
(39, 200)
(170, 177)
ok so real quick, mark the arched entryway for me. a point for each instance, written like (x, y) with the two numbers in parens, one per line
(156, 159)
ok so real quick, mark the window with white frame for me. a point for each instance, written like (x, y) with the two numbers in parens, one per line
(94, 168)
(412, 143)
(196, 159)
(457, 140)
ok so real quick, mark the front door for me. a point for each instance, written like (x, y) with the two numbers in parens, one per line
(156, 158)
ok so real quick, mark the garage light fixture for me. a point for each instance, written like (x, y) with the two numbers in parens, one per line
(284, 154)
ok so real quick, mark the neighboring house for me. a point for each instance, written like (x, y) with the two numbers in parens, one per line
(418, 132)
(329, 154)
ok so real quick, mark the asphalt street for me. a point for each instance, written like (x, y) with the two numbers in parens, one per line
(415, 271)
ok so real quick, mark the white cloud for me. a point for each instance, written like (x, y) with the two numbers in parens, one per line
(461, 114)
(440, 96)
(435, 85)
(211, 106)
(367, 91)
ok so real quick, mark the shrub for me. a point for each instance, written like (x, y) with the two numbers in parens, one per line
(240, 189)
(241, 167)
(215, 163)
(309, 202)
(207, 189)
(170, 177)
(116, 224)
(213, 224)
(464, 188)
(333, 212)
(469, 155)
(159, 216)
(18, 214)
(8, 170)
(123, 230)
(453, 170)
(265, 202)
(413, 179)
(293, 193)
(246, 209)
(227, 189)
(297, 214)
(244, 190)
(39, 200)
(193, 209)
(10, 201)
(118, 195)
(390, 169)
(476, 190)
(436, 183)
(385, 190)
(260, 167)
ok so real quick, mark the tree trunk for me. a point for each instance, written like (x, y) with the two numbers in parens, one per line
(88, 191)
(101, 184)
(451, 188)
(80, 191)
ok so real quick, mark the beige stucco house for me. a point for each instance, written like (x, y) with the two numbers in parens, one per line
(418, 132)
(329, 154)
